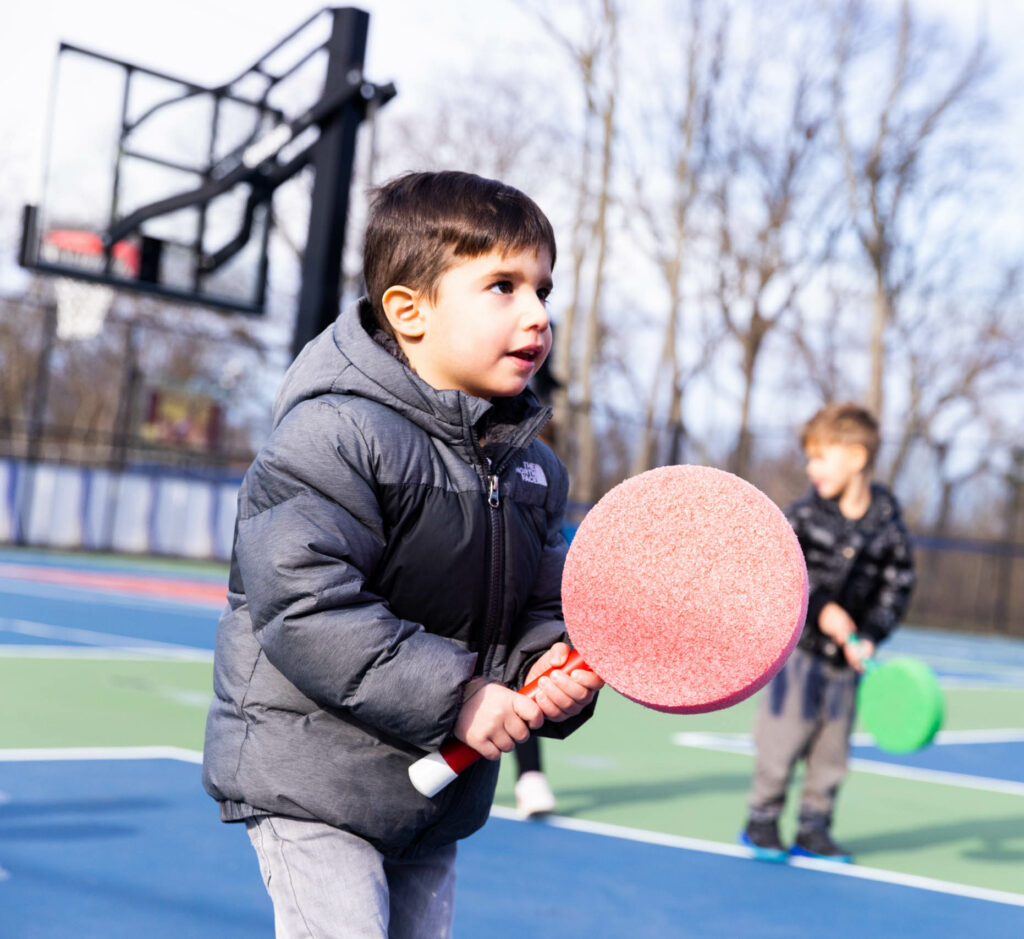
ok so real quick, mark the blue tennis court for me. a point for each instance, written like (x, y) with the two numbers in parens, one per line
(100, 836)
(130, 847)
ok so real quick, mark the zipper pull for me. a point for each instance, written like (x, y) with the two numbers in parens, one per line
(492, 492)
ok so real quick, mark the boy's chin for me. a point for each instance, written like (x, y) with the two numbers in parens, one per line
(508, 391)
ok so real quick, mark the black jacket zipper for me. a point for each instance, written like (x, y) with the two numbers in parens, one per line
(496, 591)
(491, 474)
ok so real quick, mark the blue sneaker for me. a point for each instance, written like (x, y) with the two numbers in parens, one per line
(817, 843)
(763, 840)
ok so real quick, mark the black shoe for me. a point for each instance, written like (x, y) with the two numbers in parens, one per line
(763, 840)
(818, 843)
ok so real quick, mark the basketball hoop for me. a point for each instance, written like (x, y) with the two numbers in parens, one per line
(82, 306)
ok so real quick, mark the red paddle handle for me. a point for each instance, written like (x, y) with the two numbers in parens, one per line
(429, 776)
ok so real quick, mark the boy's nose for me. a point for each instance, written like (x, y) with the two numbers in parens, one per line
(535, 313)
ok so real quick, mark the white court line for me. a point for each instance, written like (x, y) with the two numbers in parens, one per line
(125, 645)
(118, 653)
(556, 821)
(741, 743)
(997, 735)
(728, 850)
(48, 754)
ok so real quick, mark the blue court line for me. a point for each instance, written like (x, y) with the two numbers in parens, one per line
(1004, 760)
(28, 637)
(952, 649)
(130, 848)
(997, 766)
(140, 617)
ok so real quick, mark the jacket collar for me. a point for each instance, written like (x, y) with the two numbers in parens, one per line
(349, 358)
(879, 513)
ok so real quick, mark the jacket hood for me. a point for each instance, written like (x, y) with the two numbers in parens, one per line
(881, 511)
(353, 357)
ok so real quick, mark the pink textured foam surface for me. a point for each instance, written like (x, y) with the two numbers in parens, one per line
(685, 589)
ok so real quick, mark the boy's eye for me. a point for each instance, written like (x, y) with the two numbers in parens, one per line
(502, 286)
(543, 294)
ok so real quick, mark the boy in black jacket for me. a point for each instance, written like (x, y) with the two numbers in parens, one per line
(861, 575)
(396, 569)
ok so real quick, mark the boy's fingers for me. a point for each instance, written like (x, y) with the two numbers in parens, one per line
(528, 711)
(486, 748)
(515, 729)
(555, 657)
(559, 653)
(590, 680)
(571, 686)
(553, 690)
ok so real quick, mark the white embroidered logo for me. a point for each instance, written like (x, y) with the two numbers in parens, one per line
(532, 473)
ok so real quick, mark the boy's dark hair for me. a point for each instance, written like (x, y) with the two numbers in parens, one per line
(845, 423)
(420, 222)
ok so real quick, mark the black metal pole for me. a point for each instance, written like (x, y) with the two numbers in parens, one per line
(121, 439)
(1006, 560)
(36, 426)
(333, 161)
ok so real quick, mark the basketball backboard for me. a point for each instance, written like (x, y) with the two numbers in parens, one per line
(158, 184)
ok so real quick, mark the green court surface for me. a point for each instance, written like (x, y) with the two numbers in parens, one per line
(96, 668)
(623, 768)
(86, 702)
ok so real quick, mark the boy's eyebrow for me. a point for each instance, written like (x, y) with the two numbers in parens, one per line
(516, 275)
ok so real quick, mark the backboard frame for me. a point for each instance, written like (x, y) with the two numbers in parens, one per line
(277, 146)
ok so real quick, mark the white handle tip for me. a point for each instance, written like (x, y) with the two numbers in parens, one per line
(431, 774)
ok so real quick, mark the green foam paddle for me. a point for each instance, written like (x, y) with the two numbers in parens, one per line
(900, 703)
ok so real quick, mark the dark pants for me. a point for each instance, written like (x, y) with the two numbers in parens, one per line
(805, 713)
(528, 756)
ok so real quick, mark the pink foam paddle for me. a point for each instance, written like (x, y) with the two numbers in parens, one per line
(684, 588)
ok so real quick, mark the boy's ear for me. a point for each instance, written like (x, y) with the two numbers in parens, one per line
(402, 308)
(860, 456)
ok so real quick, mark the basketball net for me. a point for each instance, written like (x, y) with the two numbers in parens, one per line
(82, 306)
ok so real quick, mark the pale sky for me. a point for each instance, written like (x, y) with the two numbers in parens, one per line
(410, 43)
(210, 40)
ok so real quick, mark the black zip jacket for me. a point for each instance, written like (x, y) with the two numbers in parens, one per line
(865, 565)
(381, 559)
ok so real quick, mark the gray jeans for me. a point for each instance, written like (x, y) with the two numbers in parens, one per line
(329, 884)
(806, 712)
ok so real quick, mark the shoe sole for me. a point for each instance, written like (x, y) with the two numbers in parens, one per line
(797, 851)
(773, 855)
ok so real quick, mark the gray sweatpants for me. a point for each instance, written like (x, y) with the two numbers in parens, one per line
(806, 712)
(326, 883)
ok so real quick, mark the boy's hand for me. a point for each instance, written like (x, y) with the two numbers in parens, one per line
(836, 623)
(493, 719)
(857, 653)
(561, 695)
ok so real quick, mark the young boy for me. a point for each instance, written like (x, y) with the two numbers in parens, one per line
(396, 569)
(861, 575)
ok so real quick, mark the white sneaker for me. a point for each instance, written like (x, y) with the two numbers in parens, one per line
(534, 795)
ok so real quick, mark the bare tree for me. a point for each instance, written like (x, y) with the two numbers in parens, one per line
(972, 360)
(665, 215)
(772, 219)
(888, 149)
(595, 60)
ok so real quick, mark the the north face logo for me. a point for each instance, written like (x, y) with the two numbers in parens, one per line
(532, 473)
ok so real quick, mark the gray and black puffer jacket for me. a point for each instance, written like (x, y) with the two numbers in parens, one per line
(865, 565)
(382, 558)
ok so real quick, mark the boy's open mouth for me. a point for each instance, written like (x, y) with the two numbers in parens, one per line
(529, 354)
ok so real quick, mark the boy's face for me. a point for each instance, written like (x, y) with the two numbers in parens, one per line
(832, 466)
(487, 332)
